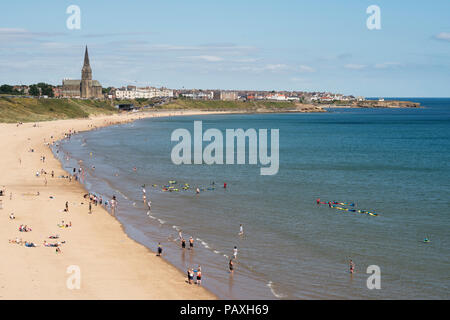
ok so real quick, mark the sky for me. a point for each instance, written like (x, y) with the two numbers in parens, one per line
(302, 45)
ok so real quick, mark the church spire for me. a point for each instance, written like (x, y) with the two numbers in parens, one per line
(86, 71)
(86, 57)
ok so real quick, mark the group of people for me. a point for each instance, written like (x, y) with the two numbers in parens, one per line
(183, 241)
(197, 273)
(24, 228)
(98, 200)
(64, 224)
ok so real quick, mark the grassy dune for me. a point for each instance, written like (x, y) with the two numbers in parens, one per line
(18, 109)
(228, 105)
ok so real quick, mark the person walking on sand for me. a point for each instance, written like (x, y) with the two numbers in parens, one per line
(90, 207)
(113, 205)
(159, 250)
(67, 206)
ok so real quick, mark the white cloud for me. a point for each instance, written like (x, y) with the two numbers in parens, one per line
(295, 79)
(386, 65)
(353, 66)
(304, 68)
(204, 58)
(275, 67)
(443, 36)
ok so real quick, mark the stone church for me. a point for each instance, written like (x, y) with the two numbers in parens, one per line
(84, 88)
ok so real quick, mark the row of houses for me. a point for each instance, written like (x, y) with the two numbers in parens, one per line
(133, 92)
(264, 95)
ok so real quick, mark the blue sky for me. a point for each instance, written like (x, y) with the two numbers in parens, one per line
(266, 45)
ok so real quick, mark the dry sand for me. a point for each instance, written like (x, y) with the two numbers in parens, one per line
(112, 266)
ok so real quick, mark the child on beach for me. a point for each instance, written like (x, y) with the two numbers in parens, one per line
(159, 250)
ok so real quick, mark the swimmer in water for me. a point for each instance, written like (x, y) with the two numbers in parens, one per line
(197, 190)
(231, 266)
(352, 266)
(191, 243)
(241, 230)
(318, 200)
(183, 243)
(235, 252)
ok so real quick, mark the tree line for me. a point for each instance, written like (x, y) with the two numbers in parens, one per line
(36, 90)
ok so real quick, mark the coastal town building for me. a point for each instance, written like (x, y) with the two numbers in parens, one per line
(133, 92)
(228, 95)
(84, 88)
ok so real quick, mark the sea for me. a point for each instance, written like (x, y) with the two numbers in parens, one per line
(394, 163)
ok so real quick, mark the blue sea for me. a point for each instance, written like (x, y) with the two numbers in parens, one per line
(393, 162)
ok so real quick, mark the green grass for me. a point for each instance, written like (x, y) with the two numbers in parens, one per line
(227, 105)
(19, 109)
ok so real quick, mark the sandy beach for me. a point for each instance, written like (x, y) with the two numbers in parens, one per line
(112, 266)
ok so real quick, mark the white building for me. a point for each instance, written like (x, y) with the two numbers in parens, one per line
(146, 93)
(277, 97)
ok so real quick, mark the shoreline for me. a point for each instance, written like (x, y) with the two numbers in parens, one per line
(96, 243)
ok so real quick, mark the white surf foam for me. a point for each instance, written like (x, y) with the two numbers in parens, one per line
(278, 295)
